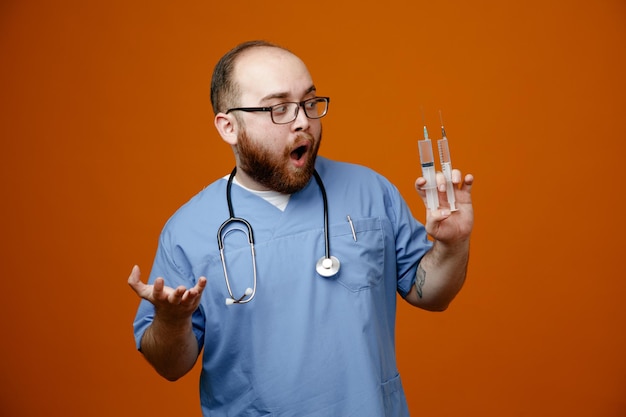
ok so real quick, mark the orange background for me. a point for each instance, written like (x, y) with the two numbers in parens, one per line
(106, 129)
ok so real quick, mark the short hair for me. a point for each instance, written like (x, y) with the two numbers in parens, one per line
(224, 90)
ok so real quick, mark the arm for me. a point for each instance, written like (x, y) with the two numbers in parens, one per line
(441, 273)
(169, 344)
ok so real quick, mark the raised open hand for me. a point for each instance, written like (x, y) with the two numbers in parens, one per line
(170, 303)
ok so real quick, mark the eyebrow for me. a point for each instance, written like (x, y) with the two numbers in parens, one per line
(284, 95)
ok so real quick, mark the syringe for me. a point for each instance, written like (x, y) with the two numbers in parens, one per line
(428, 171)
(446, 165)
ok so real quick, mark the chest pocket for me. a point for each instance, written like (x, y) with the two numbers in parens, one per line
(360, 247)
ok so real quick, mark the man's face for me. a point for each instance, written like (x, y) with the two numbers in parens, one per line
(276, 157)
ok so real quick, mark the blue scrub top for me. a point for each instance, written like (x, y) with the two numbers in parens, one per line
(305, 345)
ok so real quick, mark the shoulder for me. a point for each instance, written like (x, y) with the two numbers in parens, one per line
(345, 174)
(327, 167)
(207, 204)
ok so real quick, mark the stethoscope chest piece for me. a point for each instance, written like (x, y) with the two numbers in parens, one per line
(327, 267)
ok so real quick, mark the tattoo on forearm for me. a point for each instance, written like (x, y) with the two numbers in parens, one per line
(420, 278)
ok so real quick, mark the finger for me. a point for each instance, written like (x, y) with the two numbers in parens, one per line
(456, 176)
(419, 187)
(439, 214)
(201, 284)
(467, 183)
(189, 297)
(441, 182)
(176, 296)
(134, 279)
(158, 288)
(196, 291)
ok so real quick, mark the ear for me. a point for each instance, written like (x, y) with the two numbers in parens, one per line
(226, 125)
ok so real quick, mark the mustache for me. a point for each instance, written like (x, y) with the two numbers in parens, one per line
(304, 136)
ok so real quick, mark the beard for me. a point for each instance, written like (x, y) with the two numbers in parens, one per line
(274, 170)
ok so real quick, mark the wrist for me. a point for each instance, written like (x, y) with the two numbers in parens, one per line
(453, 247)
(171, 325)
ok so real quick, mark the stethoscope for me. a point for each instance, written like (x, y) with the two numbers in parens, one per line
(326, 266)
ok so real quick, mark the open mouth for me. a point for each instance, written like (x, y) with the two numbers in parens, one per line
(299, 152)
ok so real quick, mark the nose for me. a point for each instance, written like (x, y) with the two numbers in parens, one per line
(302, 122)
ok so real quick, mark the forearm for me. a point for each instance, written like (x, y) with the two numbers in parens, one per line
(440, 276)
(171, 347)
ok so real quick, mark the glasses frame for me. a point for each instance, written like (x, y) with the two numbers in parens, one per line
(270, 109)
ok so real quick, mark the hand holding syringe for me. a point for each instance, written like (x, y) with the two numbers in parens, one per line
(428, 169)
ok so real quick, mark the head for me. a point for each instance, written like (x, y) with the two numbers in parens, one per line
(279, 157)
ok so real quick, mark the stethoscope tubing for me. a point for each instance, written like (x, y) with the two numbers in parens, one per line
(325, 202)
(331, 264)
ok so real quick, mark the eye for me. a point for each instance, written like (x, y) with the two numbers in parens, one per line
(280, 109)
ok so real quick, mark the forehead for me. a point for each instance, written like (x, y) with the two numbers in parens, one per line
(266, 72)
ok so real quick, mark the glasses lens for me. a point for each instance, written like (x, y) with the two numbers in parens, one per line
(284, 113)
(316, 107)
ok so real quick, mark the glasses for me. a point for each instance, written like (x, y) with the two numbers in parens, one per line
(283, 113)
